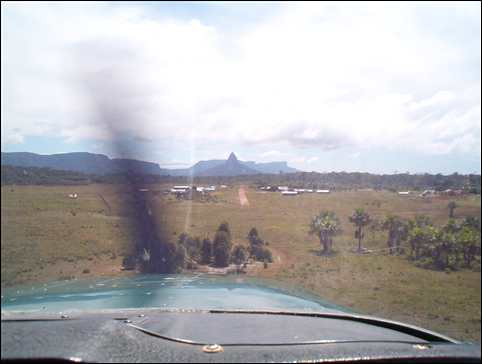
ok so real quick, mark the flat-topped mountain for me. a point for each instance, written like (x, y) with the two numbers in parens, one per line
(101, 164)
(80, 162)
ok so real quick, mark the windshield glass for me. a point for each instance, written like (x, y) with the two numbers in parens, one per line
(288, 156)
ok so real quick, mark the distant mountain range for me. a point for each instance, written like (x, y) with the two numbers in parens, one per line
(101, 165)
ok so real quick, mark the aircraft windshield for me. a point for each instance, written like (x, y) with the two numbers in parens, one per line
(261, 156)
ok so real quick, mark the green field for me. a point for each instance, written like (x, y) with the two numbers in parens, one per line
(46, 235)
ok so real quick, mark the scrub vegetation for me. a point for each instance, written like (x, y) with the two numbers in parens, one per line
(313, 240)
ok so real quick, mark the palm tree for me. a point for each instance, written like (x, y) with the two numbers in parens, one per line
(469, 240)
(417, 239)
(472, 222)
(325, 226)
(360, 219)
(397, 232)
(451, 206)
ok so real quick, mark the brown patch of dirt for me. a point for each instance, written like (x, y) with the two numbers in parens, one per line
(243, 199)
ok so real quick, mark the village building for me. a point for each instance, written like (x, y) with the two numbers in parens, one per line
(289, 193)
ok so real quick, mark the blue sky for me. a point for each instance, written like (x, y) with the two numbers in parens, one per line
(369, 87)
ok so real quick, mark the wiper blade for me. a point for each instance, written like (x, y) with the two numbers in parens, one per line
(371, 320)
(309, 342)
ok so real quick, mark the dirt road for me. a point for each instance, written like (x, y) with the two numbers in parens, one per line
(243, 199)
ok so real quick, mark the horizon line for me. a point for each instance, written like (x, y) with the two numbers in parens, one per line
(298, 170)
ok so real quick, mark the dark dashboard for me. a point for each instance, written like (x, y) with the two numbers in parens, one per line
(222, 336)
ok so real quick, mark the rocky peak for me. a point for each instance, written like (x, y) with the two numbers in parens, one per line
(232, 158)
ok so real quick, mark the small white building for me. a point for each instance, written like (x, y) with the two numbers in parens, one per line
(309, 190)
(289, 193)
(404, 193)
(283, 188)
(182, 187)
(322, 191)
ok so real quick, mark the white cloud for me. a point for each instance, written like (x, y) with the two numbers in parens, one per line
(322, 76)
(311, 160)
(271, 154)
(13, 138)
(302, 161)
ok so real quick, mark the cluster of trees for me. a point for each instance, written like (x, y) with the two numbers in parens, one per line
(221, 251)
(189, 251)
(257, 247)
(163, 257)
(454, 245)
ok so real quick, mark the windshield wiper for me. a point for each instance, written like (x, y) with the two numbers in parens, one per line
(376, 321)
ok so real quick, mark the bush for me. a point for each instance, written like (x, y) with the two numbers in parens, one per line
(206, 251)
(221, 248)
(129, 263)
(172, 258)
(257, 249)
(225, 227)
(192, 246)
(179, 259)
(239, 255)
(261, 254)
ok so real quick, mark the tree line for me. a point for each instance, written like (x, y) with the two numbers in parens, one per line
(453, 246)
(42, 176)
(334, 180)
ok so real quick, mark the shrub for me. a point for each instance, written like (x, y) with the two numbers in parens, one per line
(261, 254)
(129, 262)
(192, 246)
(221, 248)
(206, 251)
(225, 227)
(239, 255)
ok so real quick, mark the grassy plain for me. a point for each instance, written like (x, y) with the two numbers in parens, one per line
(46, 235)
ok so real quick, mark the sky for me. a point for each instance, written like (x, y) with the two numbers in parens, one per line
(372, 87)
